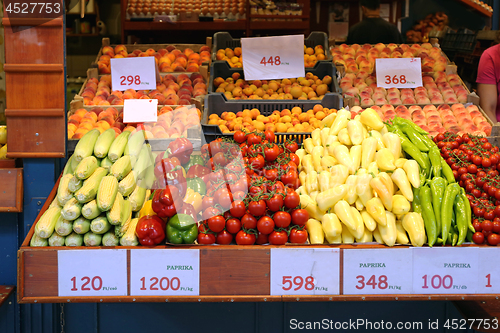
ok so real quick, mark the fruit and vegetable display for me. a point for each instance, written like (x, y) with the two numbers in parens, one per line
(308, 87)
(456, 118)
(284, 121)
(173, 90)
(168, 59)
(3, 142)
(419, 33)
(357, 57)
(172, 122)
(438, 88)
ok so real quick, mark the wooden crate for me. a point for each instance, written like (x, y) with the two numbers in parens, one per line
(11, 188)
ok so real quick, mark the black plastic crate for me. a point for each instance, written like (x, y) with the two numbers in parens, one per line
(321, 69)
(223, 40)
(218, 103)
(463, 40)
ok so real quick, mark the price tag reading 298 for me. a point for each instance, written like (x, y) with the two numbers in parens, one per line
(129, 80)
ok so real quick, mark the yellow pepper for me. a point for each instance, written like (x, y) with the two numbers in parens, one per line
(401, 237)
(385, 160)
(384, 130)
(358, 221)
(312, 181)
(389, 232)
(377, 236)
(355, 154)
(378, 136)
(327, 162)
(373, 169)
(329, 198)
(355, 130)
(414, 226)
(334, 240)
(307, 203)
(324, 180)
(328, 120)
(341, 154)
(393, 143)
(347, 237)
(315, 231)
(300, 153)
(316, 137)
(324, 134)
(370, 118)
(343, 211)
(338, 175)
(384, 189)
(344, 138)
(412, 172)
(363, 188)
(376, 209)
(400, 205)
(313, 195)
(307, 164)
(401, 180)
(400, 162)
(301, 190)
(333, 142)
(308, 145)
(194, 198)
(302, 178)
(368, 150)
(147, 209)
(331, 225)
(387, 181)
(340, 122)
(351, 195)
(368, 220)
(366, 238)
(316, 158)
(359, 205)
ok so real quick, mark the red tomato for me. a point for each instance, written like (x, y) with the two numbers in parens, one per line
(239, 136)
(295, 159)
(206, 238)
(257, 208)
(271, 152)
(478, 238)
(300, 216)
(275, 202)
(244, 238)
(487, 225)
(225, 198)
(292, 146)
(238, 208)
(252, 139)
(239, 195)
(278, 238)
(265, 225)
(292, 200)
(270, 136)
(220, 159)
(248, 221)
(289, 178)
(216, 223)
(298, 236)
(209, 212)
(477, 226)
(282, 219)
(257, 162)
(496, 226)
(233, 225)
(271, 174)
(493, 239)
(224, 237)
(262, 238)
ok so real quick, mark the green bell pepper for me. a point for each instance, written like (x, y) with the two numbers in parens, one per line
(182, 229)
(197, 185)
(195, 159)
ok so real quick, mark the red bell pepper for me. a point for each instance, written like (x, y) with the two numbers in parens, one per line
(165, 201)
(188, 209)
(181, 148)
(197, 170)
(165, 165)
(150, 230)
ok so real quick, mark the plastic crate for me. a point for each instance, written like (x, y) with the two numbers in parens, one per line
(463, 40)
(217, 104)
(321, 69)
(223, 40)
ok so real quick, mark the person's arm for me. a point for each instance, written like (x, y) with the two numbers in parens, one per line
(488, 99)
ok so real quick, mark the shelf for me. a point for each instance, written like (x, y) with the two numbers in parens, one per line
(5, 292)
(82, 35)
(476, 7)
(217, 25)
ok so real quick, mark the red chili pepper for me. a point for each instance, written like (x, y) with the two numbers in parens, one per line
(150, 230)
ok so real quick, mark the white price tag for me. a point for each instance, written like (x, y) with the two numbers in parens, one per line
(165, 272)
(377, 271)
(266, 58)
(140, 111)
(301, 271)
(489, 271)
(137, 73)
(92, 272)
(445, 270)
(399, 72)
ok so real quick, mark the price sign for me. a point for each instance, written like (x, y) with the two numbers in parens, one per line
(266, 58)
(165, 272)
(445, 270)
(399, 72)
(377, 271)
(489, 271)
(92, 272)
(301, 271)
(140, 111)
(137, 73)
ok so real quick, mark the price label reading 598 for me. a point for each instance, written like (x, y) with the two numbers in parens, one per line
(298, 282)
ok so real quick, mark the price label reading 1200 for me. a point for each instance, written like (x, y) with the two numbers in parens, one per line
(92, 272)
(137, 73)
(398, 72)
(164, 272)
(445, 270)
(299, 271)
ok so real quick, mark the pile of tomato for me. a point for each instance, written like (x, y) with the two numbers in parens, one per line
(251, 197)
(476, 164)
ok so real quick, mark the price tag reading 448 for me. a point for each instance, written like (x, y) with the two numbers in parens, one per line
(299, 271)
(399, 72)
(137, 73)
(267, 58)
(92, 272)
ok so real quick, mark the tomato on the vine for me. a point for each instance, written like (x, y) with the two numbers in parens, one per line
(216, 223)
(253, 139)
(224, 237)
(240, 136)
(238, 208)
(265, 225)
(493, 239)
(257, 208)
(245, 238)
(300, 216)
(282, 219)
(478, 238)
(248, 221)
(271, 152)
(298, 236)
(278, 237)
(270, 136)
(292, 200)
(233, 225)
(206, 238)
(262, 238)
(290, 178)
(292, 146)
(275, 202)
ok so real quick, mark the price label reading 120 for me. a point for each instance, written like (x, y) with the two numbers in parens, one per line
(377, 271)
(445, 270)
(137, 73)
(164, 272)
(92, 272)
(299, 271)
(399, 72)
